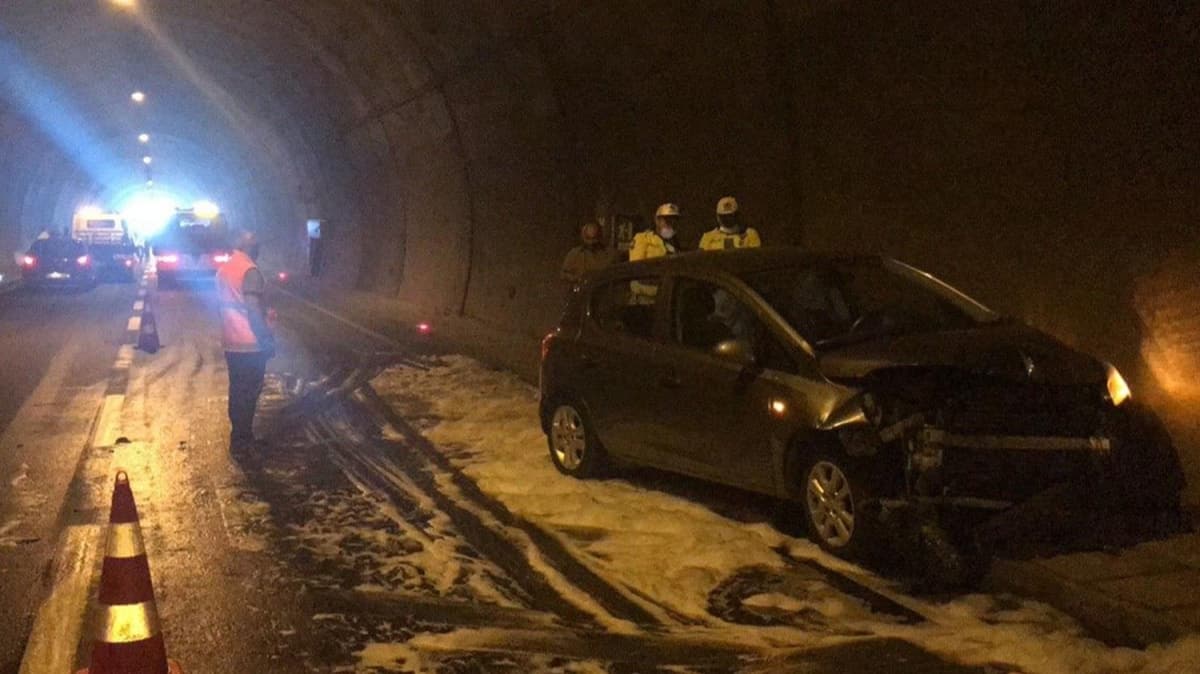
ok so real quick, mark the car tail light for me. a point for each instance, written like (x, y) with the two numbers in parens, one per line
(29, 261)
(283, 277)
(221, 258)
(128, 263)
(168, 259)
(424, 328)
(83, 260)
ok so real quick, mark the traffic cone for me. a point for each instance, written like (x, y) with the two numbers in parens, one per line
(127, 638)
(148, 334)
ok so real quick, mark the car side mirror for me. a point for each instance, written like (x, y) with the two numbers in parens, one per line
(738, 351)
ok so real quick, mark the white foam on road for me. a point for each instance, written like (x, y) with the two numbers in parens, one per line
(675, 551)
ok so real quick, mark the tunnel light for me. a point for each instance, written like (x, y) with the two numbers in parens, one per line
(147, 160)
(124, 4)
(89, 212)
(144, 138)
(138, 97)
(148, 212)
(149, 183)
(206, 209)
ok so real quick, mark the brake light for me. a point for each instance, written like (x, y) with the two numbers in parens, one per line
(168, 259)
(29, 261)
(83, 260)
(128, 263)
(283, 277)
(424, 328)
(221, 258)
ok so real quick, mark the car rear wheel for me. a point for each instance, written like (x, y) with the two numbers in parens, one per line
(833, 499)
(574, 448)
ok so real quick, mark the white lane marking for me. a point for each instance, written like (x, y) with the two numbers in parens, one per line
(109, 421)
(58, 626)
(340, 319)
(139, 305)
(135, 324)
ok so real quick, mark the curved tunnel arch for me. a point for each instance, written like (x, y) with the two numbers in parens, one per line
(452, 147)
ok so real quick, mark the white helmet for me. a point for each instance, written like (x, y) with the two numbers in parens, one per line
(667, 211)
(727, 206)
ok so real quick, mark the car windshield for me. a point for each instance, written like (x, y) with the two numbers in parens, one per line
(837, 302)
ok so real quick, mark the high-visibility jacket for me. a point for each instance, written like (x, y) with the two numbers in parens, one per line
(236, 334)
(649, 245)
(715, 239)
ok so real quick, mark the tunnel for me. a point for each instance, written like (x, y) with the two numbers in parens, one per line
(451, 150)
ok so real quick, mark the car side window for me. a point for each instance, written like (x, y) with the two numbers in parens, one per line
(626, 307)
(704, 315)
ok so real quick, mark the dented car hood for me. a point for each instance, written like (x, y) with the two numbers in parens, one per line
(1007, 351)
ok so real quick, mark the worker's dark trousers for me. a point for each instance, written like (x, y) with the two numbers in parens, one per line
(246, 372)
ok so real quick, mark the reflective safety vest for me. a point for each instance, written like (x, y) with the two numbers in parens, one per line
(236, 333)
(715, 239)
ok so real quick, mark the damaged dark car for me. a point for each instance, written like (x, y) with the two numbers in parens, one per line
(859, 387)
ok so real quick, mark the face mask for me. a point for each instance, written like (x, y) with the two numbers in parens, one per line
(667, 232)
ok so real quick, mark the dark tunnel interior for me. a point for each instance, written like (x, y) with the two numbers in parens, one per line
(1044, 157)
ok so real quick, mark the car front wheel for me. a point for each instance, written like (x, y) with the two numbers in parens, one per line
(574, 448)
(834, 499)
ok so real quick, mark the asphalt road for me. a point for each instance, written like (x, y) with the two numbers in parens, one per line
(299, 555)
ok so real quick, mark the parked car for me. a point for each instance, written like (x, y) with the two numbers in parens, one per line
(58, 262)
(853, 385)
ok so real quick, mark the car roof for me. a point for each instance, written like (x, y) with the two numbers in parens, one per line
(735, 262)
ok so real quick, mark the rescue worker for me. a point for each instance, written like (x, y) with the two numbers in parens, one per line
(245, 335)
(731, 232)
(661, 241)
(591, 254)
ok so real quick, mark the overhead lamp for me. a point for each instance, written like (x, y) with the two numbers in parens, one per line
(144, 138)
(138, 97)
(146, 160)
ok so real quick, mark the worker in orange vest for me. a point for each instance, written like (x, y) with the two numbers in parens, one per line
(245, 335)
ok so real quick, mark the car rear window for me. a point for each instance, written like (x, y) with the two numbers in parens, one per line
(57, 248)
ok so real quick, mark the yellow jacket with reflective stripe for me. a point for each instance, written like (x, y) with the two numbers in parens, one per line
(649, 245)
(715, 239)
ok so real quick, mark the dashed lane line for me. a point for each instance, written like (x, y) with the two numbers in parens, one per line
(58, 627)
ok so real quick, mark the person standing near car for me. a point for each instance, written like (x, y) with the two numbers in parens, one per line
(730, 232)
(661, 241)
(590, 255)
(245, 335)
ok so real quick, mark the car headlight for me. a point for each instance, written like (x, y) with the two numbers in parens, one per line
(1118, 389)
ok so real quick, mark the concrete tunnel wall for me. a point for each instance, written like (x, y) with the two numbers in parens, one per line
(1041, 157)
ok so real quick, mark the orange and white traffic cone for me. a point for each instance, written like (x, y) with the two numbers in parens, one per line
(148, 334)
(128, 638)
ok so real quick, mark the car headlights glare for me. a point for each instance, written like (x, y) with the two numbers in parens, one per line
(1118, 389)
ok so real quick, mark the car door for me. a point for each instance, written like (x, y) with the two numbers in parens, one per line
(724, 412)
(618, 345)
